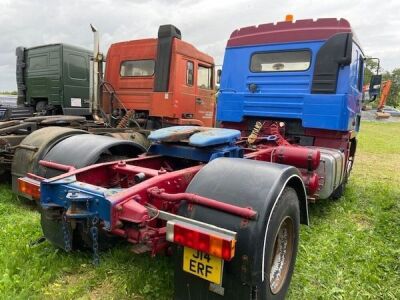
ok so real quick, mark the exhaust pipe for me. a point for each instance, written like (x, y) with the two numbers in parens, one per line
(96, 72)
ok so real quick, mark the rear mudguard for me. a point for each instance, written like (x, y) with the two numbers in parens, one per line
(34, 147)
(83, 150)
(245, 183)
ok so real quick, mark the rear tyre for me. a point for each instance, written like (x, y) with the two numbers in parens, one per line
(41, 107)
(80, 233)
(339, 191)
(281, 246)
(266, 248)
(52, 227)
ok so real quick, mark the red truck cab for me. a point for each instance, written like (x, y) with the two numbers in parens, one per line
(165, 81)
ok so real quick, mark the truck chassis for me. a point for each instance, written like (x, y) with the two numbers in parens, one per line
(191, 192)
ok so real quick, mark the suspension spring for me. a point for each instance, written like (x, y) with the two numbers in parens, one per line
(125, 119)
(255, 132)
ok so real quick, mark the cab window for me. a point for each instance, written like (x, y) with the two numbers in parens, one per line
(280, 61)
(360, 73)
(204, 77)
(38, 62)
(76, 67)
(137, 68)
(189, 73)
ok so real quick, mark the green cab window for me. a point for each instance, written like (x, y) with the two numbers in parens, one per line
(137, 68)
(280, 61)
(77, 67)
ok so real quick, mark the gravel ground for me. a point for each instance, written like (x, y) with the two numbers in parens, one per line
(369, 115)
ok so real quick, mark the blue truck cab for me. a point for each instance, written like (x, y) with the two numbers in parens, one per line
(308, 73)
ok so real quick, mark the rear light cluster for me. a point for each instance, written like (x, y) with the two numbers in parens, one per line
(204, 240)
(29, 187)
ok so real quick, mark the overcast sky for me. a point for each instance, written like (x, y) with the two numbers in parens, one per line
(205, 23)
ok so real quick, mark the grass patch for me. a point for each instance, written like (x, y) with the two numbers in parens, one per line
(350, 251)
(352, 248)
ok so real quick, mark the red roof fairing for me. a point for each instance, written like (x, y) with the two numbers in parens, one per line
(282, 32)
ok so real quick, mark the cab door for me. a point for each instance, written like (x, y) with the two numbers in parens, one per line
(204, 94)
(186, 89)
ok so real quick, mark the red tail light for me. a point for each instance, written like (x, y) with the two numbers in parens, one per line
(202, 239)
(29, 187)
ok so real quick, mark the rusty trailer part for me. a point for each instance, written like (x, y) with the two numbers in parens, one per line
(27, 126)
(8, 124)
(134, 136)
(44, 118)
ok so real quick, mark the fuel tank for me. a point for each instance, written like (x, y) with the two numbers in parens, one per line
(330, 170)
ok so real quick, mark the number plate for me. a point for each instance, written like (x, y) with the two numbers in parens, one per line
(203, 265)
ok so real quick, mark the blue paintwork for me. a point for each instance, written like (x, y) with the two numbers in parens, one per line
(204, 154)
(196, 136)
(204, 146)
(287, 95)
(195, 143)
(65, 192)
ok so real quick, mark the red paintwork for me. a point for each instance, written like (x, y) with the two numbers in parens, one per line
(136, 93)
(57, 166)
(299, 157)
(311, 182)
(243, 212)
(284, 32)
(165, 180)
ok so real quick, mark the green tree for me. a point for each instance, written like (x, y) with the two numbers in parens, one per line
(371, 66)
(394, 76)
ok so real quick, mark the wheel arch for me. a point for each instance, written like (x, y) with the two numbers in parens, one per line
(83, 150)
(34, 147)
(297, 184)
(245, 183)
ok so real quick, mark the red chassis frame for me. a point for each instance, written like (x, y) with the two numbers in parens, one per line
(152, 183)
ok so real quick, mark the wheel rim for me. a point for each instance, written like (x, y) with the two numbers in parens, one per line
(281, 255)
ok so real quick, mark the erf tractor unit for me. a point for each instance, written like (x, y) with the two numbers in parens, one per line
(160, 82)
(228, 200)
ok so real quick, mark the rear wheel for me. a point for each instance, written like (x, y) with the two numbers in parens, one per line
(76, 235)
(282, 245)
(81, 151)
(41, 107)
(266, 248)
(56, 231)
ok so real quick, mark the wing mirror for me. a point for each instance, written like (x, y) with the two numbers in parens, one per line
(375, 86)
(219, 72)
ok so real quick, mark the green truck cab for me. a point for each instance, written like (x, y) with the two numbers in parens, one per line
(54, 79)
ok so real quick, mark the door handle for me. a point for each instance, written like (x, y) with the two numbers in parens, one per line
(199, 101)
